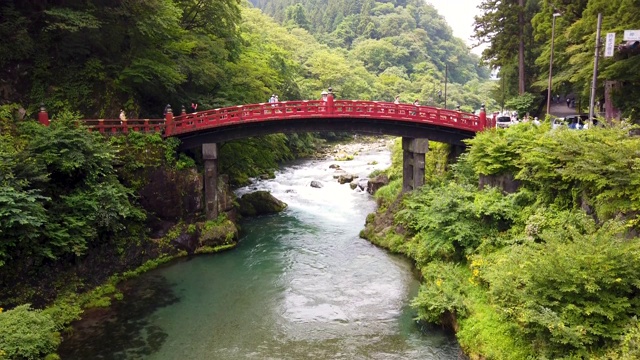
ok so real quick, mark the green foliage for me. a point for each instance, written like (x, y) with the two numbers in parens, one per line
(574, 291)
(58, 191)
(27, 334)
(148, 265)
(442, 292)
(21, 216)
(388, 193)
(526, 103)
(449, 221)
(251, 157)
(486, 333)
(629, 347)
(214, 249)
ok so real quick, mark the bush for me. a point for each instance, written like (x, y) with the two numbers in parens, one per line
(442, 292)
(27, 334)
(574, 291)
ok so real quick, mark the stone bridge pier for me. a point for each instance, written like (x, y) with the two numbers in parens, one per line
(210, 157)
(413, 162)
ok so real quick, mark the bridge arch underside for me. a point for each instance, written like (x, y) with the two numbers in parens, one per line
(367, 126)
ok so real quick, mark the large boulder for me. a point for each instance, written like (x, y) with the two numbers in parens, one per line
(217, 234)
(346, 178)
(376, 183)
(260, 203)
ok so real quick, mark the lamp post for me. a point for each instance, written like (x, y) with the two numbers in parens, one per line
(553, 33)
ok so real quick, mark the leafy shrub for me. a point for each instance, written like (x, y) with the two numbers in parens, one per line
(486, 334)
(449, 221)
(27, 334)
(442, 292)
(629, 346)
(388, 193)
(571, 292)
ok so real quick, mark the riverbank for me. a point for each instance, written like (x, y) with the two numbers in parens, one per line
(299, 282)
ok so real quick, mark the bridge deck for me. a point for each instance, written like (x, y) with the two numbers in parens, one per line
(292, 110)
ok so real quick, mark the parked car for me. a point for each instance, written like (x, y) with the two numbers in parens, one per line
(576, 121)
(558, 123)
(504, 121)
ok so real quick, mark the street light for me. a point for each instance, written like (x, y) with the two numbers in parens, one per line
(553, 33)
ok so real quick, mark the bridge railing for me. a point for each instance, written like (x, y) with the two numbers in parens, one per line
(287, 110)
(318, 108)
(248, 113)
(117, 126)
(409, 112)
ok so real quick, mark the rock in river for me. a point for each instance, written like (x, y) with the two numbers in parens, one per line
(260, 203)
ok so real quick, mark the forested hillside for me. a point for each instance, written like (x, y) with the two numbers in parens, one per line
(98, 57)
(410, 34)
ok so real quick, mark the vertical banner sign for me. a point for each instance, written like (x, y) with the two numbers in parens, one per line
(609, 44)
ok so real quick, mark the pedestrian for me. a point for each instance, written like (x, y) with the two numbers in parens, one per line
(276, 99)
(397, 100)
(415, 103)
(166, 109)
(272, 99)
(568, 102)
(194, 107)
(324, 95)
(123, 117)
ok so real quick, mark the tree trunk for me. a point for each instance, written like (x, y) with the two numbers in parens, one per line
(521, 25)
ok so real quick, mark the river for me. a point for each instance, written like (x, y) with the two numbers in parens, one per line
(300, 285)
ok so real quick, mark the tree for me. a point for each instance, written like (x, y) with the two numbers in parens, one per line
(506, 27)
(295, 15)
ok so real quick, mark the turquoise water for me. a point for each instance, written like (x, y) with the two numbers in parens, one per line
(300, 285)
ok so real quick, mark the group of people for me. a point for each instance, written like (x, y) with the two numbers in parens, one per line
(273, 99)
(397, 101)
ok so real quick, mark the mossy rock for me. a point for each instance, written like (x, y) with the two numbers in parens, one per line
(219, 234)
(260, 203)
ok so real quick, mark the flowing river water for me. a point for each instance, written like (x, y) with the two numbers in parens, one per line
(300, 285)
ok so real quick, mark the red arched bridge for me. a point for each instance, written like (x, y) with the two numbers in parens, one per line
(366, 117)
(415, 124)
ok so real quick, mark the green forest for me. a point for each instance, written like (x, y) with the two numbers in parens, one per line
(547, 270)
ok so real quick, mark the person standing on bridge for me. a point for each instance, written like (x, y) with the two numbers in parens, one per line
(275, 101)
(415, 103)
(397, 100)
(123, 117)
(194, 107)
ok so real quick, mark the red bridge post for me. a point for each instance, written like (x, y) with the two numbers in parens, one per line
(43, 116)
(483, 117)
(168, 121)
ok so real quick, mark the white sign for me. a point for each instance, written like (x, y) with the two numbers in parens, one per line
(631, 35)
(609, 44)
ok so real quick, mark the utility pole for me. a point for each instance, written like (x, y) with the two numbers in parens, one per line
(445, 84)
(553, 33)
(502, 105)
(595, 70)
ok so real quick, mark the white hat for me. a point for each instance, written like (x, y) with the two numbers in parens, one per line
(324, 93)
